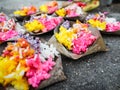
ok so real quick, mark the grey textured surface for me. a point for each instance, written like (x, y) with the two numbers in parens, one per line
(99, 71)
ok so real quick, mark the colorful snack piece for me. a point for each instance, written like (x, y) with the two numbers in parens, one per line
(21, 65)
(25, 11)
(76, 38)
(49, 7)
(7, 28)
(70, 11)
(43, 23)
(103, 23)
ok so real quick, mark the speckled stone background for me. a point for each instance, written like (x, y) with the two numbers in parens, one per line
(99, 71)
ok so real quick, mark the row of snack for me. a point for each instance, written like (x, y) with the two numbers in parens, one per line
(68, 11)
(26, 62)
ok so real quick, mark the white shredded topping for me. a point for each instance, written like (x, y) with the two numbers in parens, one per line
(20, 29)
(110, 20)
(20, 53)
(22, 73)
(26, 49)
(12, 58)
(9, 75)
(18, 67)
(47, 51)
(79, 10)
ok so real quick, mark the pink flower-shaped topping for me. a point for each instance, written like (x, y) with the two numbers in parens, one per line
(38, 71)
(7, 35)
(50, 23)
(112, 27)
(81, 44)
(47, 65)
(52, 10)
